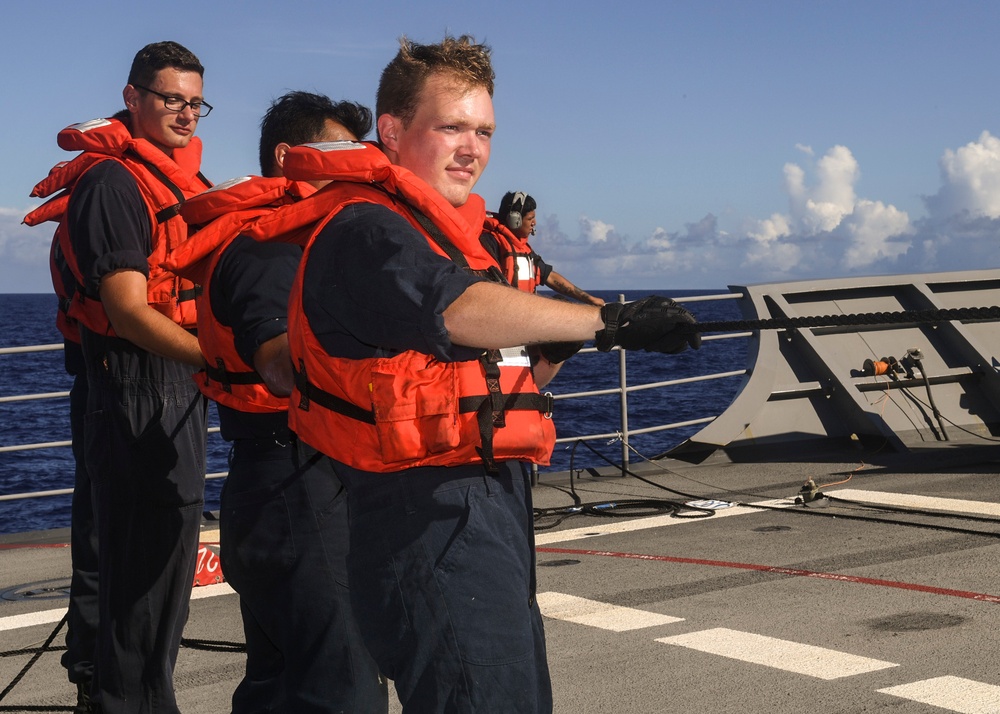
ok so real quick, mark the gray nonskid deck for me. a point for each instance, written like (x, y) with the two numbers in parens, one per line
(763, 609)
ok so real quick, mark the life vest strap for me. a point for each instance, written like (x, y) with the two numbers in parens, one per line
(220, 374)
(189, 293)
(309, 392)
(450, 249)
(165, 214)
(484, 406)
(522, 401)
(491, 365)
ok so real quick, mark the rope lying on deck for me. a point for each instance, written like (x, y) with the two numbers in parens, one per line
(902, 317)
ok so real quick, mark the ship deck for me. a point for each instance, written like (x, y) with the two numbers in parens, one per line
(885, 600)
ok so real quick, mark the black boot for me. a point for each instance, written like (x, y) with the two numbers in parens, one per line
(83, 703)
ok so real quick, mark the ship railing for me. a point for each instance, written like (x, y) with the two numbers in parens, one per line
(622, 390)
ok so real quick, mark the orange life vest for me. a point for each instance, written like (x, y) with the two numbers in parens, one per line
(409, 410)
(64, 284)
(518, 259)
(164, 183)
(223, 212)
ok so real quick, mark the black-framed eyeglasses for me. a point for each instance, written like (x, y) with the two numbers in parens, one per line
(176, 104)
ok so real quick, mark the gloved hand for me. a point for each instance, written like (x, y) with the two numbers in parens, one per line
(654, 324)
(556, 352)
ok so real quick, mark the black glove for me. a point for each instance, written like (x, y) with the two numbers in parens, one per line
(654, 324)
(556, 352)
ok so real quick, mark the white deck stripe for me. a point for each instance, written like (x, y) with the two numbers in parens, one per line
(212, 590)
(45, 617)
(559, 606)
(907, 500)
(952, 693)
(636, 524)
(780, 654)
(30, 619)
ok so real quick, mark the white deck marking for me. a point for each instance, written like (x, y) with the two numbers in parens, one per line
(952, 693)
(560, 606)
(637, 524)
(780, 654)
(45, 617)
(212, 590)
(907, 500)
(30, 619)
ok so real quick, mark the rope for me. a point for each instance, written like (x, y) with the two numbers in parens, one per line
(36, 652)
(24, 670)
(213, 645)
(965, 314)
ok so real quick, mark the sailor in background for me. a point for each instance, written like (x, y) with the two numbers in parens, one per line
(517, 214)
(507, 241)
(283, 522)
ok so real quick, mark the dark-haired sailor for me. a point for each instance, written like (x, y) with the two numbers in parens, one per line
(283, 521)
(517, 213)
(145, 421)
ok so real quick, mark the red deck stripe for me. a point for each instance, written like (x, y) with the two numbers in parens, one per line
(983, 597)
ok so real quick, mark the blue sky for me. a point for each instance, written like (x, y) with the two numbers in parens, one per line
(670, 145)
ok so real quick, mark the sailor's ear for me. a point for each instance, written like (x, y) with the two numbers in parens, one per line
(131, 96)
(279, 156)
(388, 131)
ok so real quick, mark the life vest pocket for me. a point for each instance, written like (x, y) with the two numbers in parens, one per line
(173, 297)
(415, 404)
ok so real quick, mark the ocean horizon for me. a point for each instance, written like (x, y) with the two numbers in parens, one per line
(44, 420)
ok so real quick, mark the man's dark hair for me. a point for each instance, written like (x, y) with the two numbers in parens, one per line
(404, 77)
(300, 117)
(160, 55)
(508, 199)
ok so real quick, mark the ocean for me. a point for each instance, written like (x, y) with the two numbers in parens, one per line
(31, 320)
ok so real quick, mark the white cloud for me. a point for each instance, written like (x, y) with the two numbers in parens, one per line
(843, 232)
(24, 253)
(595, 231)
(828, 230)
(770, 229)
(779, 258)
(660, 241)
(874, 232)
(822, 207)
(962, 228)
(970, 177)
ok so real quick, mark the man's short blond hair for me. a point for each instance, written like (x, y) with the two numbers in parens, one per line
(403, 79)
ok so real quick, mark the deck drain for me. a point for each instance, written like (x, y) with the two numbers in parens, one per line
(44, 590)
(558, 563)
(915, 622)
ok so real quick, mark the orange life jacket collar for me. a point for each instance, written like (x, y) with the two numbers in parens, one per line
(164, 182)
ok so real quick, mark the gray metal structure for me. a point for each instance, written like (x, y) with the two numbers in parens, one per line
(807, 389)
